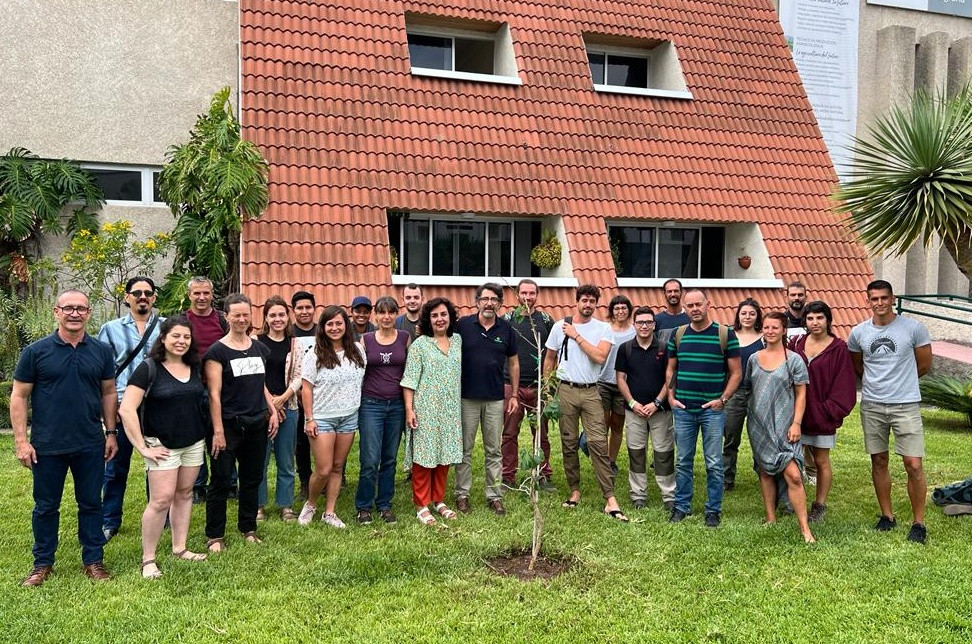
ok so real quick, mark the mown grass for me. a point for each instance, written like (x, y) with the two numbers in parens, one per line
(645, 581)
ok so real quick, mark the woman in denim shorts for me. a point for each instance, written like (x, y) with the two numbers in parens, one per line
(332, 375)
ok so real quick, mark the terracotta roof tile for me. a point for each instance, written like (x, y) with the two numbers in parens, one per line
(350, 133)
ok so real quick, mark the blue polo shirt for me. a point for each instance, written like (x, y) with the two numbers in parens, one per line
(484, 354)
(66, 394)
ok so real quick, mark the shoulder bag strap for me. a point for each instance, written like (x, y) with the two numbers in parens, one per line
(138, 347)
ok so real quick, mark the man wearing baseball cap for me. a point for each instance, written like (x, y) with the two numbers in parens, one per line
(361, 316)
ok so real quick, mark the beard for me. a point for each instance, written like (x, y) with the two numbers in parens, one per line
(796, 306)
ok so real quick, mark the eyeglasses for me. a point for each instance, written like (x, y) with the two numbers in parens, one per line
(493, 300)
(81, 310)
(645, 323)
(148, 293)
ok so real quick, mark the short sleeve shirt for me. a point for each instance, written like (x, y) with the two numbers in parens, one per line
(244, 376)
(618, 338)
(700, 374)
(643, 367)
(573, 365)
(66, 393)
(890, 368)
(172, 410)
(484, 355)
(337, 391)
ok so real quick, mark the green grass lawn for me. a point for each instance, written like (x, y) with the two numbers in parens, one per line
(644, 581)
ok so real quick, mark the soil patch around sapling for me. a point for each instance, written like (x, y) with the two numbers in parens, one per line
(516, 563)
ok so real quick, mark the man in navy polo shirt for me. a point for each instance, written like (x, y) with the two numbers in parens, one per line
(488, 343)
(69, 379)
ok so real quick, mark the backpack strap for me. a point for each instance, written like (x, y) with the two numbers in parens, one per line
(679, 334)
(223, 324)
(723, 338)
(563, 346)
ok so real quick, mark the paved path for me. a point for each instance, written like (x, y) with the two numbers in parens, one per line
(952, 351)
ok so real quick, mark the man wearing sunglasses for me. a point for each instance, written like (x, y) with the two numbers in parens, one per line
(130, 338)
(68, 378)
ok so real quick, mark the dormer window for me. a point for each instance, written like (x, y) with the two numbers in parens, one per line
(461, 49)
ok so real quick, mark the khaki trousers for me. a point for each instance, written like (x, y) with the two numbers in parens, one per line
(584, 404)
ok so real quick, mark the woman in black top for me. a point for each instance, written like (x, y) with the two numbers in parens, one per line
(239, 404)
(169, 388)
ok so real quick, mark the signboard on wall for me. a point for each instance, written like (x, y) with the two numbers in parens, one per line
(823, 36)
(949, 7)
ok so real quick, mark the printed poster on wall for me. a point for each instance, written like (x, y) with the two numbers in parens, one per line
(823, 36)
(947, 7)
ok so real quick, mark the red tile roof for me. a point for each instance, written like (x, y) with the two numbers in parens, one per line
(349, 133)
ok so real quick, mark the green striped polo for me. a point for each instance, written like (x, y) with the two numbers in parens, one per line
(701, 371)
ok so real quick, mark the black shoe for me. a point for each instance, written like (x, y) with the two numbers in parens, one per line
(712, 519)
(669, 505)
(614, 467)
(639, 504)
(387, 516)
(364, 517)
(546, 485)
(729, 486)
(109, 533)
(198, 497)
(234, 493)
(918, 533)
(886, 524)
(677, 516)
(817, 512)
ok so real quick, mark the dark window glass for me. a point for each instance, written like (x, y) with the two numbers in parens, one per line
(597, 67)
(119, 185)
(635, 250)
(155, 188)
(627, 71)
(678, 252)
(394, 238)
(499, 249)
(430, 52)
(474, 56)
(458, 248)
(526, 235)
(416, 260)
(713, 249)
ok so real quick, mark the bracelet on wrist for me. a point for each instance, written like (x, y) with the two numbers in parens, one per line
(111, 432)
(632, 403)
(658, 402)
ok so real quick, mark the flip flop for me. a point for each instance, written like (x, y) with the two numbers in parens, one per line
(617, 514)
(570, 505)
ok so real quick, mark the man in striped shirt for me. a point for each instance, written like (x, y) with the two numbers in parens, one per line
(703, 372)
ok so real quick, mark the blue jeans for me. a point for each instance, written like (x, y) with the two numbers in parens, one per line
(687, 424)
(283, 449)
(49, 472)
(116, 481)
(380, 424)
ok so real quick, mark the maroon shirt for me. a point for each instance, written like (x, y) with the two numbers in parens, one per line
(206, 330)
(386, 365)
(832, 392)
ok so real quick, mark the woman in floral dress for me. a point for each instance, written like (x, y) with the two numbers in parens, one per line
(432, 407)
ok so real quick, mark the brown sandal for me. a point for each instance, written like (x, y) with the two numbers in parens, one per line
(251, 537)
(152, 575)
(215, 546)
(188, 555)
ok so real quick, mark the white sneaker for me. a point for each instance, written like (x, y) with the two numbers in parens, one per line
(306, 514)
(332, 519)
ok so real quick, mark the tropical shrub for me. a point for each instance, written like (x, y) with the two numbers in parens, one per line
(948, 393)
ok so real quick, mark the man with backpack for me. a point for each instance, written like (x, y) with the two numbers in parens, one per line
(130, 338)
(703, 372)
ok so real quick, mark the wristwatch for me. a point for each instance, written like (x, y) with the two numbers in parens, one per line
(111, 432)
(724, 400)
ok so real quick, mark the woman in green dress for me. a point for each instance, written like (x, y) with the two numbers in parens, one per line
(431, 391)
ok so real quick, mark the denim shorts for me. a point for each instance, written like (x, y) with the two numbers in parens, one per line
(340, 425)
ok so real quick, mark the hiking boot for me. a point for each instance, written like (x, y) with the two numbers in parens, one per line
(712, 519)
(37, 576)
(462, 504)
(387, 515)
(677, 516)
(364, 517)
(885, 524)
(96, 571)
(918, 533)
(817, 511)
(496, 505)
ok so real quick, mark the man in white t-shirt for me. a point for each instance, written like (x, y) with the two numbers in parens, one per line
(577, 347)
(890, 353)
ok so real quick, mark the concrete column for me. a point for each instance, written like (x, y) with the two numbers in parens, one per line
(895, 66)
(931, 75)
(950, 278)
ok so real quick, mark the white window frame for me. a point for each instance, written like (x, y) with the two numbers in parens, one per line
(631, 52)
(147, 183)
(473, 279)
(660, 227)
(452, 34)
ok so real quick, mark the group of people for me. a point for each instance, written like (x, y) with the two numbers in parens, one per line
(207, 385)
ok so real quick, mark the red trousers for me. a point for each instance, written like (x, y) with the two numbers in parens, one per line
(428, 484)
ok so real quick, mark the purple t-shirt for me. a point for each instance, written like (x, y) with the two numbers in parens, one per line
(386, 365)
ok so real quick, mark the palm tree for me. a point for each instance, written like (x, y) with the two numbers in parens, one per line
(911, 178)
(34, 193)
(212, 184)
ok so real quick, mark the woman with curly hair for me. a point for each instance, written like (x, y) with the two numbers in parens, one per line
(332, 375)
(169, 434)
(431, 388)
(748, 326)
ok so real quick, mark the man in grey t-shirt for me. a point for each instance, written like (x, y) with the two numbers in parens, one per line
(890, 353)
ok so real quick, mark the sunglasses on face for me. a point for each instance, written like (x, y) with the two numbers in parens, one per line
(141, 293)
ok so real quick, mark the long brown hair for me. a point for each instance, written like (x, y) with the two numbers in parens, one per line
(326, 356)
(272, 301)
